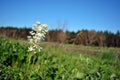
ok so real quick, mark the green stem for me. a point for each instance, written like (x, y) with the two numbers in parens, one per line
(28, 62)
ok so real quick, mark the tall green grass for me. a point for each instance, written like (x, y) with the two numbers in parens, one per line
(55, 63)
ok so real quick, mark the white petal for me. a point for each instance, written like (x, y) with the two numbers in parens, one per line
(38, 22)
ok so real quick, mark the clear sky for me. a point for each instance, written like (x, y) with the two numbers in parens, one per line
(77, 14)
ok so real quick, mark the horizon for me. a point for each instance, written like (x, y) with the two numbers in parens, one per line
(98, 15)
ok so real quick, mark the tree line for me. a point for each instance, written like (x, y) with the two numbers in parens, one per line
(83, 37)
(14, 32)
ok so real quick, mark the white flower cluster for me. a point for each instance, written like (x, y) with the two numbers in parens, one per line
(37, 36)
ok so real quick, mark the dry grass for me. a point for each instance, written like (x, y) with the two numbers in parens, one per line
(90, 50)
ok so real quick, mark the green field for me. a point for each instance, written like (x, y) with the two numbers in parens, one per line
(58, 62)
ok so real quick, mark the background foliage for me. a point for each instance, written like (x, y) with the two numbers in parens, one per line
(83, 37)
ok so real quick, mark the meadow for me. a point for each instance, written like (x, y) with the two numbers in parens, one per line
(58, 62)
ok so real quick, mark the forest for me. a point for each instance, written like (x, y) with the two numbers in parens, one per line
(81, 37)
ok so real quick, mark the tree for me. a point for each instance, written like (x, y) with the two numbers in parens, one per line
(61, 36)
(70, 37)
(86, 37)
(101, 39)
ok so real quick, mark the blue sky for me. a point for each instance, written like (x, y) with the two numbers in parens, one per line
(77, 14)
